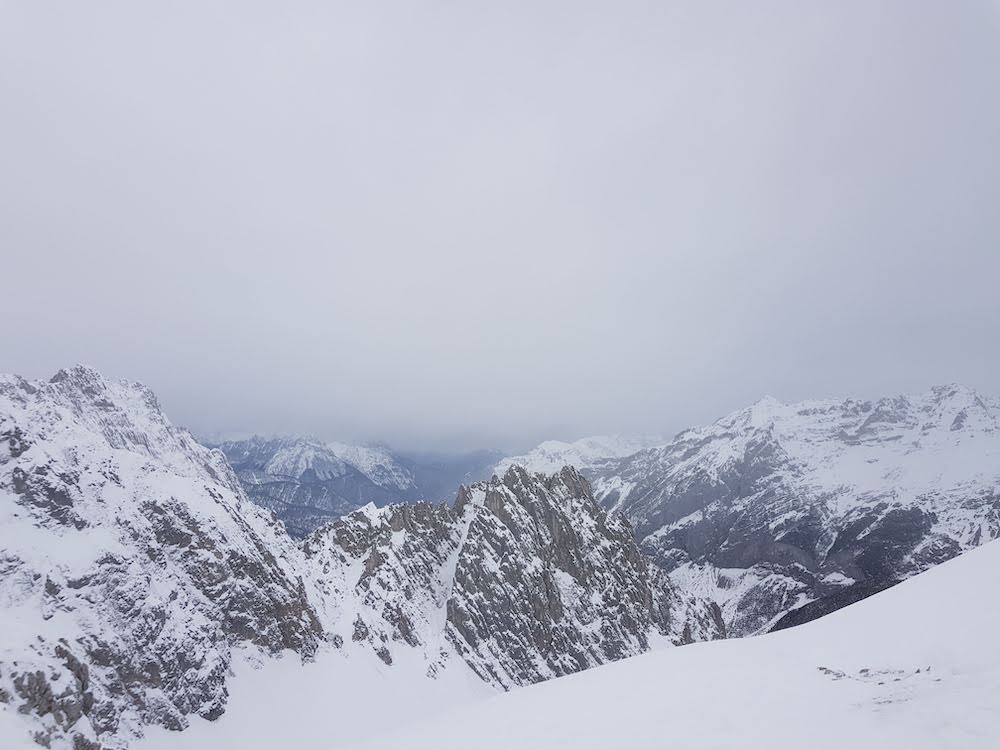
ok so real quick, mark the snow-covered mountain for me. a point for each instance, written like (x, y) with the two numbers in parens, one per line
(588, 455)
(131, 565)
(307, 482)
(780, 504)
(135, 575)
(912, 668)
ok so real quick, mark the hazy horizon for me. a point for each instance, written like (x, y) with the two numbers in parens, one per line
(456, 227)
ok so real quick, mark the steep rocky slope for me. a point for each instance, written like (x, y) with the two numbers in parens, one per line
(525, 578)
(777, 505)
(131, 564)
(307, 482)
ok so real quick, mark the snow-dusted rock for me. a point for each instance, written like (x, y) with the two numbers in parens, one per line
(777, 505)
(131, 564)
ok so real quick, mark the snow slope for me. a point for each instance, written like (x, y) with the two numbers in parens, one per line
(912, 668)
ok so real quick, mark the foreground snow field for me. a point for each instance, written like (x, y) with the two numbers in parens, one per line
(341, 698)
(917, 666)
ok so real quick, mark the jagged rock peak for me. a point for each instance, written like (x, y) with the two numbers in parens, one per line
(525, 578)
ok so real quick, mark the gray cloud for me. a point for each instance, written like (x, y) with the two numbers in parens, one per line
(447, 224)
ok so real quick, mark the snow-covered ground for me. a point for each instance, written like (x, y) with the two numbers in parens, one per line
(342, 698)
(914, 667)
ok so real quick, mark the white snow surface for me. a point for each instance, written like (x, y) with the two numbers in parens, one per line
(338, 700)
(915, 667)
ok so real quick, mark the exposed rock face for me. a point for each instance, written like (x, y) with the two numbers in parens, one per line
(306, 482)
(131, 563)
(526, 578)
(777, 505)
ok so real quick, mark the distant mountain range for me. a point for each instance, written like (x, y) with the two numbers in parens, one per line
(590, 454)
(307, 482)
(777, 505)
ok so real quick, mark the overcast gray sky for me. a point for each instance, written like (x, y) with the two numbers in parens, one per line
(456, 223)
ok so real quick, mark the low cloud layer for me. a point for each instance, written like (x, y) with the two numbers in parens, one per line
(450, 225)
